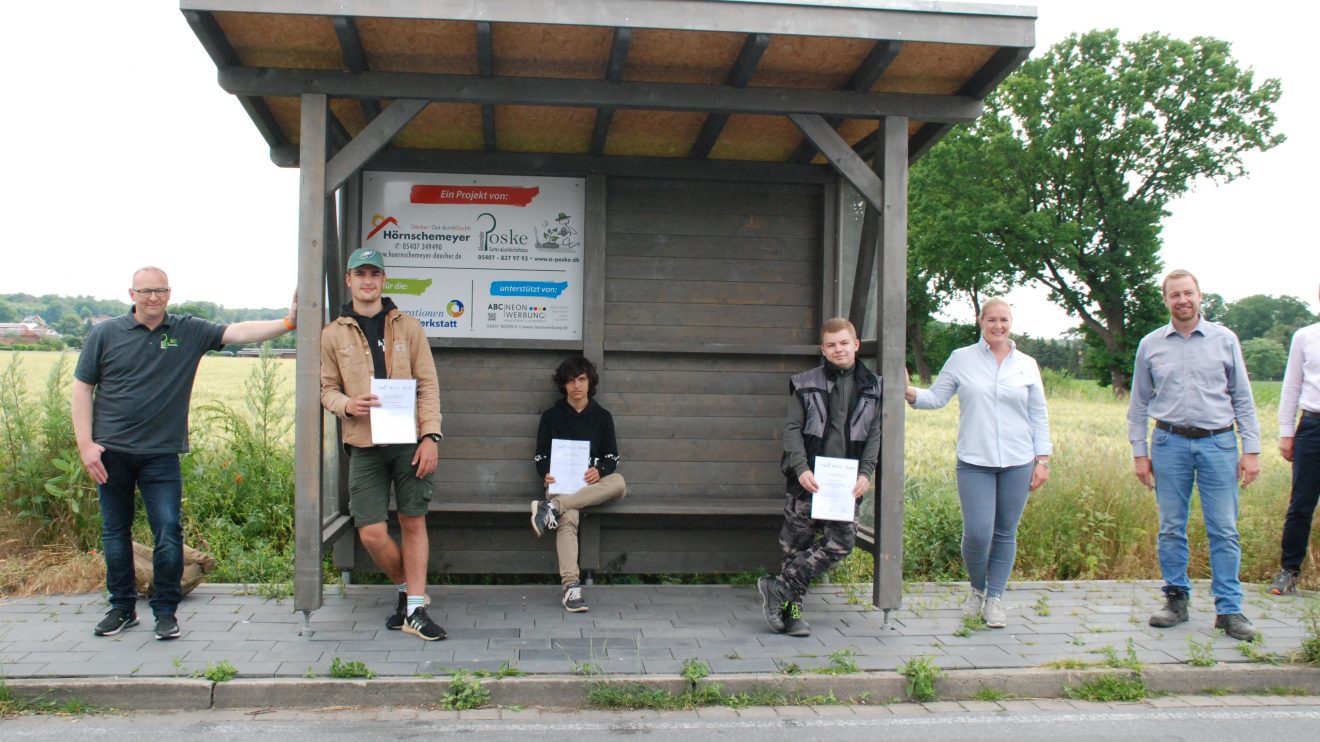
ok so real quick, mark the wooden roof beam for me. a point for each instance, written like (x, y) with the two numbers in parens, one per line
(932, 22)
(486, 69)
(979, 85)
(590, 94)
(355, 59)
(353, 155)
(842, 158)
(986, 79)
(613, 73)
(743, 68)
(863, 78)
(223, 55)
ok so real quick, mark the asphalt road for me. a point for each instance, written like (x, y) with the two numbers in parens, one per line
(1134, 725)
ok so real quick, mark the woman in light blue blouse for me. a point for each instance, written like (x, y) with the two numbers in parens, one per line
(1003, 450)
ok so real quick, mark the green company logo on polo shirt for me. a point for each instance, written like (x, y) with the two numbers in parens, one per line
(168, 342)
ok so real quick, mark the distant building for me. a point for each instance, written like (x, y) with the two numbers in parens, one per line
(30, 331)
(277, 352)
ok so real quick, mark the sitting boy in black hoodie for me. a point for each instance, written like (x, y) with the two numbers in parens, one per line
(576, 417)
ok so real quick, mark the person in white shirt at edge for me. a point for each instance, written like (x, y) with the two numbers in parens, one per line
(1003, 450)
(1299, 443)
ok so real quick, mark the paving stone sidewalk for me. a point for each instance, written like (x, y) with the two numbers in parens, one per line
(629, 630)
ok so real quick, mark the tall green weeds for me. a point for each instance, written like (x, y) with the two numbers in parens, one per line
(239, 479)
(42, 479)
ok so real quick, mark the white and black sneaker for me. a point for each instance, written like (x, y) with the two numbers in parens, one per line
(543, 517)
(400, 615)
(420, 625)
(115, 621)
(167, 627)
(573, 602)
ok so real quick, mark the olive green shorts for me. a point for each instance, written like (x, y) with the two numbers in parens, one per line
(372, 470)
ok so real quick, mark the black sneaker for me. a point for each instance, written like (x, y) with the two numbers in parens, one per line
(1237, 626)
(794, 625)
(772, 603)
(115, 621)
(420, 625)
(1285, 583)
(167, 627)
(543, 517)
(396, 621)
(573, 602)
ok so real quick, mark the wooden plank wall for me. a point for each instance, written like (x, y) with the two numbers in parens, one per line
(491, 401)
(701, 262)
(711, 262)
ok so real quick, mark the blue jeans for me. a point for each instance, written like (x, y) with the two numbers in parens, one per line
(1211, 463)
(992, 503)
(159, 479)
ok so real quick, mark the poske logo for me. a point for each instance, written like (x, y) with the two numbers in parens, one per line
(379, 222)
(491, 239)
(455, 308)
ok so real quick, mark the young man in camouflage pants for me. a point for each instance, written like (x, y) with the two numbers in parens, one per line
(834, 411)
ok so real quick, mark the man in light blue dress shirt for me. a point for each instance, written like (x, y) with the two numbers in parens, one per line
(1190, 377)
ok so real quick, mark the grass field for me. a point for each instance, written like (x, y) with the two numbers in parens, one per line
(219, 378)
(1091, 520)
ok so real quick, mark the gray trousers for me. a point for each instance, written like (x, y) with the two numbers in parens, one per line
(992, 503)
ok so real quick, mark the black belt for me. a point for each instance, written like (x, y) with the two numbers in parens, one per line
(1310, 413)
(1190, 432)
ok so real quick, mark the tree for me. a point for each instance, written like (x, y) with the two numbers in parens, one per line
(202, 309)
(1213, 306)
(1065, 179)
(1265, 359)
(1255, 316)
(71, 325)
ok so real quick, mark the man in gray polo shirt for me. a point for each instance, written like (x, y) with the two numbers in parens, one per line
(1189, 376)
(131, 390)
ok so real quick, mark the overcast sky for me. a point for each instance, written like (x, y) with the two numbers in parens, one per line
(123, 151)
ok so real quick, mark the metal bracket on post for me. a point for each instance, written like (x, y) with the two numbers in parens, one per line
(307, 631)
(886, 626)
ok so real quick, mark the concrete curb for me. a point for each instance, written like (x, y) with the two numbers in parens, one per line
(321, 692)
(1236, 678)
(570, 691)
(137, 694)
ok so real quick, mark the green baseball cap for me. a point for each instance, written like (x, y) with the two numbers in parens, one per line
(363, 256)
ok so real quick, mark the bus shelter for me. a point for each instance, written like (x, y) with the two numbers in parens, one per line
(714, 179)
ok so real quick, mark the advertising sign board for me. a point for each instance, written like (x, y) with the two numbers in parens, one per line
(480, 256)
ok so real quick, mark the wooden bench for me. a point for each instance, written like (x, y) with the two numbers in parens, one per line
(632, 535)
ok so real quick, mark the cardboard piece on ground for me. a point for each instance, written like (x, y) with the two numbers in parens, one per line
(196, 565)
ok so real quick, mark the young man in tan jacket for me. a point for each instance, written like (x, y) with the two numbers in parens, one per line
(370, 339)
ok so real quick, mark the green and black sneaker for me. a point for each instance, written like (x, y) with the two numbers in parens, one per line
(794, 625)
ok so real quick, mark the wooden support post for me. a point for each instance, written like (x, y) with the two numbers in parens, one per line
(866, 268)
(350, 214)
(593, 272)
(891, 300)
(311, 291)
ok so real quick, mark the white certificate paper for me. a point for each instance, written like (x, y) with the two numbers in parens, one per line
(837, 478)
(568, 465)
(395, 421)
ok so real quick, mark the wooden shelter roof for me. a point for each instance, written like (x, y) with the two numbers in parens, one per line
(702, 79)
